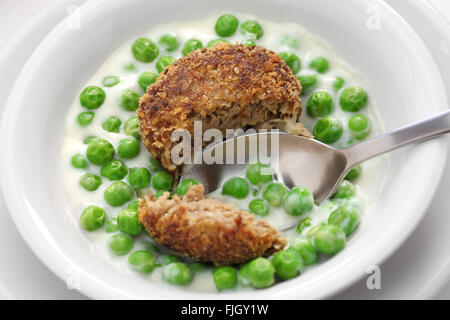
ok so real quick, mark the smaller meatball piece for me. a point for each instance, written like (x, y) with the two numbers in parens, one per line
(208, 229)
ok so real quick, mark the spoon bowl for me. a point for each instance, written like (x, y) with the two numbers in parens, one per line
(294, 160)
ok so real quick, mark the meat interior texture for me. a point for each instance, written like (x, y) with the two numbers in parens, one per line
(208, 229)
(228, 86)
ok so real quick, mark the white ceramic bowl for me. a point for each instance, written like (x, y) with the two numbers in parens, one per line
(399, 71)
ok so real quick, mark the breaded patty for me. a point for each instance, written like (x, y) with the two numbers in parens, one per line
(228, 86)
(208, 229)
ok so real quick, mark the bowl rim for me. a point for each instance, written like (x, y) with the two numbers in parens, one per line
(101, 290)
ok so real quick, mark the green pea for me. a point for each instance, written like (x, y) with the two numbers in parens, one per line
(329, 239)
(305, 222)
(162, 181)
(252, 28)
(128, 222)
(274, 193)
(164, 62)
(92, 218)
(120, 244)
(243, 276)
(146, 79)
(249, 43)
(99, 151)
(259, 207)
(144, 50)
(85, 118)
(111, 225)
(118, 193)
(338, 83)
(128, 148)
(345, 217)
(131, 127)
(260, 273)
(320, 64)
(114, 170)
(236, 187)
(110, 81)
(287, 264)
(328, 129)
(213, 42)
(304, 247)
(359, 126)
(345, 191)
(112, 124)
(226, 25)
(191, 45)
(142, 261)
(78, 161)
(130, 100)
(298, 201)
(354, 173)
(307, 81)
(353, 99)
(139, 178)
(168, 259)
(225, 278)
(320, 104)
(92, 97)
(197, 267)
(184, 186)
(258, 173)
(89, 139)
(169, 41)
(177, 273)
(154, 165)
(290, 41)
(134, 205)
(90, 181)
(292, 60)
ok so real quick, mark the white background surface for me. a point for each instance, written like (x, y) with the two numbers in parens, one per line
(23, 276)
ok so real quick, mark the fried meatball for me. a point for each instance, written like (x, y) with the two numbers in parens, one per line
(207, 229)
(228, 86)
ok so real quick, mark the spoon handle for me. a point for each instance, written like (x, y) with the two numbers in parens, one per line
(416, 132)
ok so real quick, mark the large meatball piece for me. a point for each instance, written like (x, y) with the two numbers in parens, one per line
(226, 87)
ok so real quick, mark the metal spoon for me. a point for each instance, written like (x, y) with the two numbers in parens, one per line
(299, 161)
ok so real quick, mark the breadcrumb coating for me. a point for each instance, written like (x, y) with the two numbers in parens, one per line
(208, 229)
(228, 86)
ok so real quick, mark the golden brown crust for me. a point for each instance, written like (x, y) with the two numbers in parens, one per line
(226, 86)
(208, 229)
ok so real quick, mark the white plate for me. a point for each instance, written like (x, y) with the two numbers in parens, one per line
(421, 267)
(22, 275)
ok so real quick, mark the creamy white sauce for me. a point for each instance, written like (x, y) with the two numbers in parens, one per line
(368, 184)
